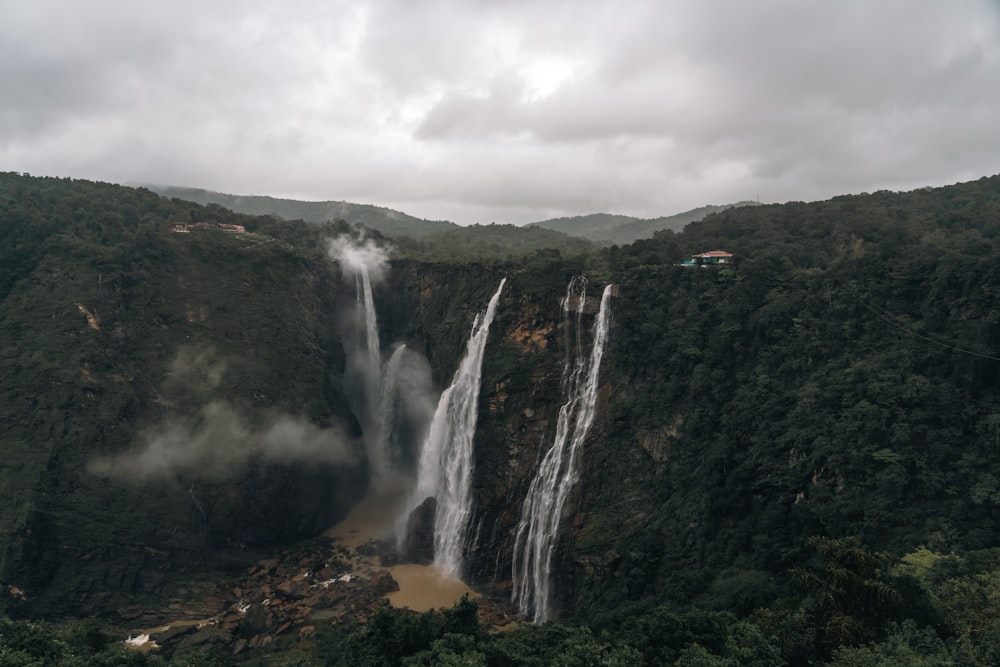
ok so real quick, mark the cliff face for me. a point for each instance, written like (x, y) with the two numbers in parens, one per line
(164, 372)
(173, 401)
(152, 383)
(741, 411)
(521, 391)
(850, 392)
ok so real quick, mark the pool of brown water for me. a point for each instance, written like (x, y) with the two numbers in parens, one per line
(421, 587)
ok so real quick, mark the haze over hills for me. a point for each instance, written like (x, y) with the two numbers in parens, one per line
(606, 228)
(600, 228)
(384, 220)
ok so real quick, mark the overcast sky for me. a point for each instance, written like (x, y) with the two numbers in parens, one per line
(505, 110)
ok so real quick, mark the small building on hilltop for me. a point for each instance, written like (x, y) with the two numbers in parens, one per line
(710, 258)
(186, 228)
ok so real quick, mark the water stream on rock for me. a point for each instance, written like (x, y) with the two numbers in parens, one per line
(535, 536)
(445, 467)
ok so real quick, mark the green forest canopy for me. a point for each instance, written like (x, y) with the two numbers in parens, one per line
(819, 425)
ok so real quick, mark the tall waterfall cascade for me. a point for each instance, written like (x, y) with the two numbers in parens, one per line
(445, 466)
(538, 528)
(374, 388)
(366, 263)
(366, 302)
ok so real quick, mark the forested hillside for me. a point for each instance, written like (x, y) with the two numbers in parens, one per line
(795, 459)
(490, 242)
(117, 335)
(607, 229)
(839, 383)
(384, 220)
(825, 408)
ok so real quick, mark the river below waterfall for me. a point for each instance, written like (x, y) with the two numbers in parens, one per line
(425, 587)
(338, 577)
(421, 587)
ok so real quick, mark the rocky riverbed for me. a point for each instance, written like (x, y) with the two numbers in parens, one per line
(344, 577)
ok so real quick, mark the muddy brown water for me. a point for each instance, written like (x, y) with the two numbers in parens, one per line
(421, 587)
(371, 519)
(425, 587)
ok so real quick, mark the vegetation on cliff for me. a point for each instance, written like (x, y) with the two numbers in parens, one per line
(136, 360)
(795, 458)
(383, 220)
(608, 229)
(839, 383)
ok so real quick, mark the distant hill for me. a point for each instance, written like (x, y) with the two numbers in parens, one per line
(594, 227)
(385, 220)
(494, 240)
(605, 228)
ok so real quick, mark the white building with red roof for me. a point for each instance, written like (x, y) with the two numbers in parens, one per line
(710, 258)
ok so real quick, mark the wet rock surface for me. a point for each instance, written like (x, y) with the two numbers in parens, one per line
(288, 596)
(278, 596)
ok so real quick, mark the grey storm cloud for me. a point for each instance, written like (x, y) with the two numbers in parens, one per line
(509, 112)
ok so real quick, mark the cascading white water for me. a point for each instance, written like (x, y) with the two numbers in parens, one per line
(367, 304)
(366, 262)
(535, 536)
(386, 417)
(445, 468)
(372, 419)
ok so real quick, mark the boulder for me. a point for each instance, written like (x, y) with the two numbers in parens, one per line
(418, 545)
(383, 583)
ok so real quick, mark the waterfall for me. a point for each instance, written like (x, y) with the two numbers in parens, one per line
(536, 532)
(366, 262)
(445, 468)
(367, 304)
(373, 421)
(386, 417)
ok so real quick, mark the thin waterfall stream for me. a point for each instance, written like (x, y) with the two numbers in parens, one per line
(538, 528)
(375, 440)
(388, 448)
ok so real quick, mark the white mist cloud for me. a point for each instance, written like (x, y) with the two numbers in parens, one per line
(195, 368)
(356, 255)
(289, 439)
(415, 394)
(218, 442)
